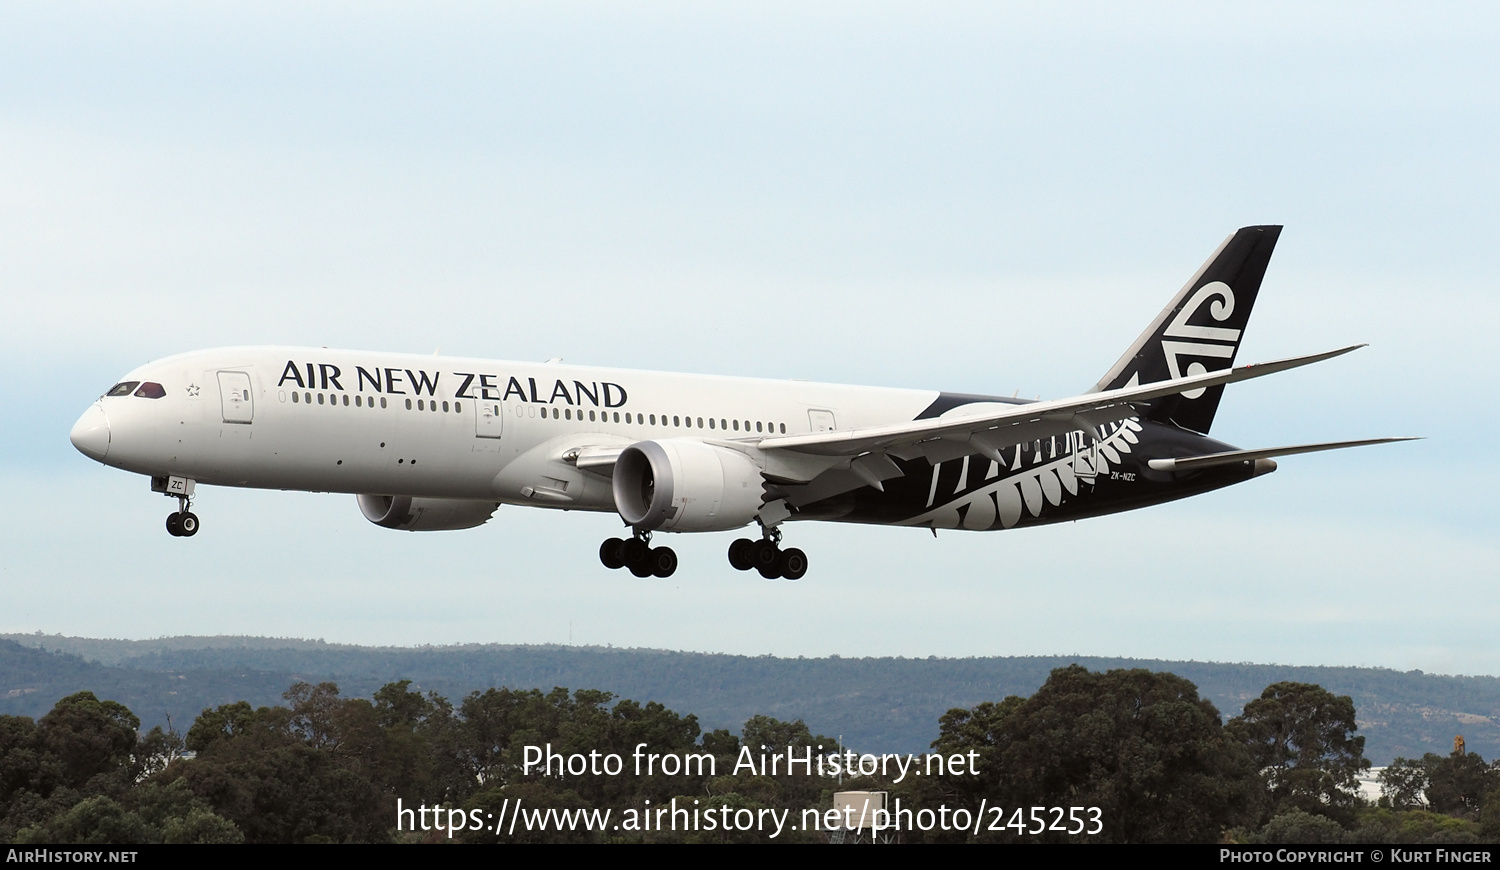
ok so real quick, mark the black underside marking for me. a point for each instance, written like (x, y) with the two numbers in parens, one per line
(946, 402)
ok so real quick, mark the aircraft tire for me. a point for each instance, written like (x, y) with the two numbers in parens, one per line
(188, 523)
(764, 556)
(739, 554)
(174, 524)
(793, 564)
(609, 553)
(634, 553)
(663, 561)
(642, 569)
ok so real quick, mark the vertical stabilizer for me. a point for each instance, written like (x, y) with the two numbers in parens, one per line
(1199, 331)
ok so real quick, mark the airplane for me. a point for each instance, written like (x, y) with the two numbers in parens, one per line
(434, 443)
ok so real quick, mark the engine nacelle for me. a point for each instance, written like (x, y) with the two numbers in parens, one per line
(685, 486)
(425, 514)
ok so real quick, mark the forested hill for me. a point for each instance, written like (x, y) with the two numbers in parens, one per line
(877, 704)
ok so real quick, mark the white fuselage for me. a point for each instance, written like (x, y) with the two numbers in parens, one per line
(441, 427)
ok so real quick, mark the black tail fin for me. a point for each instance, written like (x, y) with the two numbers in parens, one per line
(1199, 331)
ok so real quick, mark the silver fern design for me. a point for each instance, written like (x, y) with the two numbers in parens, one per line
(1024, 490)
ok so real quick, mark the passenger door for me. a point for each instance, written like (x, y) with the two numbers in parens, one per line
(234, 394)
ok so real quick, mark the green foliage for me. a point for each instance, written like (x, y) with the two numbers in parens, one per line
(1301, 738)
(1297, 827)
(1140, 746)
(90, 737)
(1403, 784)
(889, 703)
(1458, 783)
(1412, 827)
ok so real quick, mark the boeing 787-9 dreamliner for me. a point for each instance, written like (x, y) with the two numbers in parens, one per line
(437, 443)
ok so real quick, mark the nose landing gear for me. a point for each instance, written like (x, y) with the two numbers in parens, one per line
(183, 523)
(767, 557)
(639, 556)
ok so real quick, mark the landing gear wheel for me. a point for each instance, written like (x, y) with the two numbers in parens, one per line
(188, 524)
(792, 564)
(609, 553)
(642, 569)
(663, 561)
(634, 553)
(764, 556)
(739, 554)
(174, 525)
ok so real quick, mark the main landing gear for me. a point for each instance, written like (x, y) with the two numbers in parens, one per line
(767, 557)
(183, 523)
(639, 556)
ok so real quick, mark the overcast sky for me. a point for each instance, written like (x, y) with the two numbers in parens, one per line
(973, 197)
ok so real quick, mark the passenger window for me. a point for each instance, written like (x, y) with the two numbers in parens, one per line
(408, 404)
(783, 428)
(346, 400)
(382, 401)
(676, 421)
(320, 398)
(736, 425)
(124, 388)
(295, 398)
(757, 425)
(150, 390)
(653, 419)
(700, 422)
(357, 401)
(419, 405)
(445, 407)
(458, 408)
(307, 398)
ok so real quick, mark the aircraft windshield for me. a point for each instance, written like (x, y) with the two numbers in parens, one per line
(150, 390)
(123, 388)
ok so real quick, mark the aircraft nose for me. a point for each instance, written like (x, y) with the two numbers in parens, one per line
(91, 433)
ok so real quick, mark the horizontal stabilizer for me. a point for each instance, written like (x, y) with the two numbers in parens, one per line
(1193, 463)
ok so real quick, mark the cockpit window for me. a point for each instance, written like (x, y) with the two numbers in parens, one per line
(150, 390)
(124, 388)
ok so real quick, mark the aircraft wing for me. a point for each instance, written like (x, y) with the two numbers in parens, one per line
(986, 433)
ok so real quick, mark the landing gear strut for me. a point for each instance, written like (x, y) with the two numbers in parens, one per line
(183, 523)
(767, 557)
(638, 555)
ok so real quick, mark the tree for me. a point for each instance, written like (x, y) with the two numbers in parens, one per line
(1301, 738)
(1458, 783)
(89, 736)
(1140, 746)
(1403, 784)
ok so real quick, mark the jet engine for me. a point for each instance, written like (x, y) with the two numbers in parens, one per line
(425, 514)
(685, 486)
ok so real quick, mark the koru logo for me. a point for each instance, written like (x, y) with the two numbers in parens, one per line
(1203, 341)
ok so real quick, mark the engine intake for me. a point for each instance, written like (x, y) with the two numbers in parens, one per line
(685, 486)
(425, 514)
